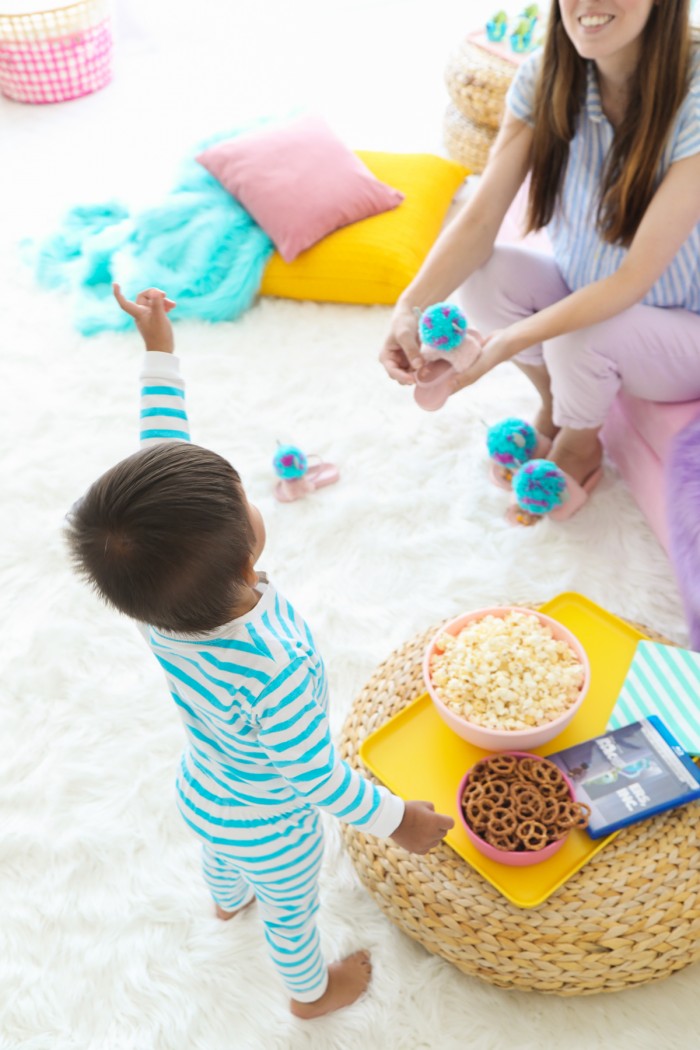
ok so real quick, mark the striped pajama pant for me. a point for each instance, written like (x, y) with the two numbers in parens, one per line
(281, 870)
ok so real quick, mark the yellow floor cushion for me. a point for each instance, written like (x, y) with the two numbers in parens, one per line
(372, 261)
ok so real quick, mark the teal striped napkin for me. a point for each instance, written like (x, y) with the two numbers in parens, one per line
(662, 680)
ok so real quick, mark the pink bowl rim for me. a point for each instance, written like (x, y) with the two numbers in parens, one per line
(507, 852)
(510, 734)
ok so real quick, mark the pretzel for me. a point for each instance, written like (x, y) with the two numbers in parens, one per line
(550, 811)
(478, 812)
(495, 789)
(528, 803)
(508, 843)
(525, 767)
(532, 834)
(503, 766)
(502, 821)
(545, 772)
(481, 772)
(573, 815)
(472, 791)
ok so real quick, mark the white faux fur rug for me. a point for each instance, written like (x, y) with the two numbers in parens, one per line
(107, 939)
(108, 934)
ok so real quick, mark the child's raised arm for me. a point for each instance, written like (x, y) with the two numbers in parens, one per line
(149, 310)
(163, 414)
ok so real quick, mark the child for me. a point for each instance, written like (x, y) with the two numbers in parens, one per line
(169, 538)
(605, 121)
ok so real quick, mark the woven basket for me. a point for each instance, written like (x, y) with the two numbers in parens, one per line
(466, 141)
(629, 916)
(57, 55)
(477, 82)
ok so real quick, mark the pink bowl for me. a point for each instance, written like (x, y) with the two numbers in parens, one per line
(513, 858)
(506, 739)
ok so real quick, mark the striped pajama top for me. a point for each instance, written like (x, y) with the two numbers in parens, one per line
(253, 697)
(580, 252)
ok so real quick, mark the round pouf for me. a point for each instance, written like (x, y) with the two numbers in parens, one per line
(477, 82)
(466, 141)
(631, 915)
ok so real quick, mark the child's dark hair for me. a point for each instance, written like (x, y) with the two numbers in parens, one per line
(165, 537)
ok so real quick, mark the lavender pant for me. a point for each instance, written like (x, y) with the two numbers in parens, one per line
(651, 352)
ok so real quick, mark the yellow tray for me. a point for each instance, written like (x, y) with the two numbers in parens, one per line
(417, 756)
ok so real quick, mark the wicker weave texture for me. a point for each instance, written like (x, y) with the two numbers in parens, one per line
(629, 916)
(477, 82)
(465, 141)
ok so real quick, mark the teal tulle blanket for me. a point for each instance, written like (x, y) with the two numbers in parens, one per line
(199, 244)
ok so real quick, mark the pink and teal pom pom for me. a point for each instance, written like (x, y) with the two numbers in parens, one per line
(511, 442)
(442, 326)
(289, 462)
(539, 486)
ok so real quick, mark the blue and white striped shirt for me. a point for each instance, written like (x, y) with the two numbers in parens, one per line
(580, 252)
(253, 697)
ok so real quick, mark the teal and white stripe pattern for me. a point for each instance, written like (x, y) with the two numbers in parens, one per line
(581, 254)
(163, 415)
(253, 699)
(662, 680)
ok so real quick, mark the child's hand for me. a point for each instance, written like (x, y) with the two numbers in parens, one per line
(421, 827)
(150, 310)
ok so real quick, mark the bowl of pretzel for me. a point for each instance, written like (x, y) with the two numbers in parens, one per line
(518, 808)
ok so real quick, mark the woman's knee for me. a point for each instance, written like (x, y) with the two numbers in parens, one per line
(484, 295)
(512, 284)
(584, 381)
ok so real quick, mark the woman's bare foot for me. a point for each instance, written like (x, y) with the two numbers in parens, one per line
(578, 452)
(544, 424)
(226, 915)
(347, 980)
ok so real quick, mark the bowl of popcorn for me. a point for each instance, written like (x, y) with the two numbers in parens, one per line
(507, 677)
(518, 808)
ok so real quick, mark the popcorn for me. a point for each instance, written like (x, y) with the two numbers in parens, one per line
(506, 672)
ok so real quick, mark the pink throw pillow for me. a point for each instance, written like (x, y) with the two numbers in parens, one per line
(299, 182)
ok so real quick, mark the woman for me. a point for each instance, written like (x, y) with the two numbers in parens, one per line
(605, 121)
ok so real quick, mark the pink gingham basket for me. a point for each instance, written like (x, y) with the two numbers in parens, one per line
(53, 56)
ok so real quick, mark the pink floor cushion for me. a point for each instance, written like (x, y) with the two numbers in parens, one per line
(637, 437)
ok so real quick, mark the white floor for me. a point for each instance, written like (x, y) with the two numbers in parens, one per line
(107, 940)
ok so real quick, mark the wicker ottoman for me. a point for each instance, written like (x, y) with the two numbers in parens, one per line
(629, 916)
(477, 80)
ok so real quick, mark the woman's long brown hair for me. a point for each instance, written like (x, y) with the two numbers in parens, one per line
(630, 176)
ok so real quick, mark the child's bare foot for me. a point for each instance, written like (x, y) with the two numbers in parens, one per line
(226, 915)
(347, 980)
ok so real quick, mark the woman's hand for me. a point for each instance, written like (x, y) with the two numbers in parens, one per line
(400, 355)
(500, 346)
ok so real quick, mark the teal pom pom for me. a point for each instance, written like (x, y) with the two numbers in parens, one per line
(511, 442)
(442, 326)
(289, 462)
(539, 486)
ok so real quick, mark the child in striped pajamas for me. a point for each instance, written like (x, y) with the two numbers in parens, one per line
(604, 121)
(169, 538)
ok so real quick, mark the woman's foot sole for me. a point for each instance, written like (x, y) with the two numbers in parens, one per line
(347, 980)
